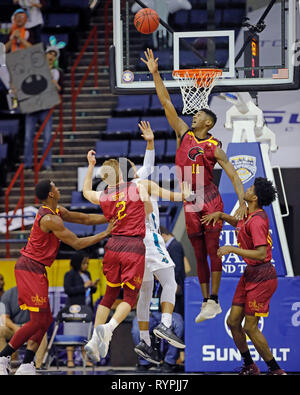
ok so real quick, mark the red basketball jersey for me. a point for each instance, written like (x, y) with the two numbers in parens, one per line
(123, 202)
(195, 160)
(42, 246)
(253, 232)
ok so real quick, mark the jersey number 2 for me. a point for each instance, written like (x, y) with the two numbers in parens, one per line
(122, 209)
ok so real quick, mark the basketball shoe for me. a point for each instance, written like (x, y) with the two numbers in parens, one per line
(163, 332)
(149, 353)
(26, 369)
(249, 370)
(209, 311)
(104, 335)
(4, 366)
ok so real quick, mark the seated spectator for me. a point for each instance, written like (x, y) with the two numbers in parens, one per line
(35, 19)
(31, 120)
(19, 37)
(79, 288)
(13, 319)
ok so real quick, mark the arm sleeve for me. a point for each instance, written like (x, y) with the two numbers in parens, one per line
(259, 231)
(148, 166)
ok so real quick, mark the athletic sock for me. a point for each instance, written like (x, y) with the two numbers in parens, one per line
(7, 351)
(215, 298)
(112, 324)
(205, 300)
(166, 319)
(29, 356)
(273, 365)
(144, 335)
(247, 358)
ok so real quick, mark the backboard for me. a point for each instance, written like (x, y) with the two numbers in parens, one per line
(200, 38)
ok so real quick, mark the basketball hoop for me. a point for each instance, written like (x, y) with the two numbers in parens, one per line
(195, 86)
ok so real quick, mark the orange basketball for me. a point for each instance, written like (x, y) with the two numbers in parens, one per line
(146, 20)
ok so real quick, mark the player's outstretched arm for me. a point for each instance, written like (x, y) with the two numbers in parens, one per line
(155, 190)
(258, 253)
(82, 218)
(55, 224)
(235, 179)
(149, 159)
(219, 216)
(88, 193)
(179, 126)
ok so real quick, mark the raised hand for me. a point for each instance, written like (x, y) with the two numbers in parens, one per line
(91, 157)
(146, 130)
(151, 63)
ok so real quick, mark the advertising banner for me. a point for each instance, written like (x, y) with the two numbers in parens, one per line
(209, 344)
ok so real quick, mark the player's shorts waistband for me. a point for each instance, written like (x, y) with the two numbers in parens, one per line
(30, 265)
(260, 272)
(125, 236)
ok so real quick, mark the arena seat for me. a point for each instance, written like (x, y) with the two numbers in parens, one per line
(156, 106)
(3, 152)
(60, 20)
(74, 3)
(171, 147)
(79, 229)
(78, 201)
(159, 125)
(9, 127)
(132, 104)
(114, 148)
(126, 126)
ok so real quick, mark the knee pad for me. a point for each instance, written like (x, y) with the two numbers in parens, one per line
(110, 296)
(130, 295)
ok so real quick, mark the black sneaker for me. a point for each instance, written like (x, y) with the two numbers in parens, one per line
(166, 333)
(167, 368)
(143, 368)
(149, 353)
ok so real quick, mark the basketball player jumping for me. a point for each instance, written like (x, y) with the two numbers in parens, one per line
(40, 251)
(197, 153)
(158, 262)
(124, 259)
(259, 280)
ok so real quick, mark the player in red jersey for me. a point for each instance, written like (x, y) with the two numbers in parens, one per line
(124, 259)
(40, 251)
(197, 153)
(259, 280)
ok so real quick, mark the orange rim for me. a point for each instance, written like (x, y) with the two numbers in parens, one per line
(203, 77)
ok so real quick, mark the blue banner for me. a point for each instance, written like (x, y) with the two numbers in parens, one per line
(209, 344)
(248, 162)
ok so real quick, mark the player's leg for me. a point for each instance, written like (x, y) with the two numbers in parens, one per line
(166, 277)
(144, 347)
(196, 237)
(103, 310)
(130, 272)
(212, 307)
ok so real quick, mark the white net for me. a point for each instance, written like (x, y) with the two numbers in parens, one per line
(195, 86)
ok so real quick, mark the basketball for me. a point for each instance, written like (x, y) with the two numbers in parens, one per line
(146, 20)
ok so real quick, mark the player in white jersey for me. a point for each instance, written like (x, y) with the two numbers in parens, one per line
(158, 262)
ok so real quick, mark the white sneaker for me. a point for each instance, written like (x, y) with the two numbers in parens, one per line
(199, 317)
(211, 309)
(4, 366)
(26, 369)
(92, 349)
(104, 335)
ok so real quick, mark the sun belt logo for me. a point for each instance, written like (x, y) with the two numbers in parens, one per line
(228, 331)
(194, 152)
(245, 166)
(75, 308)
